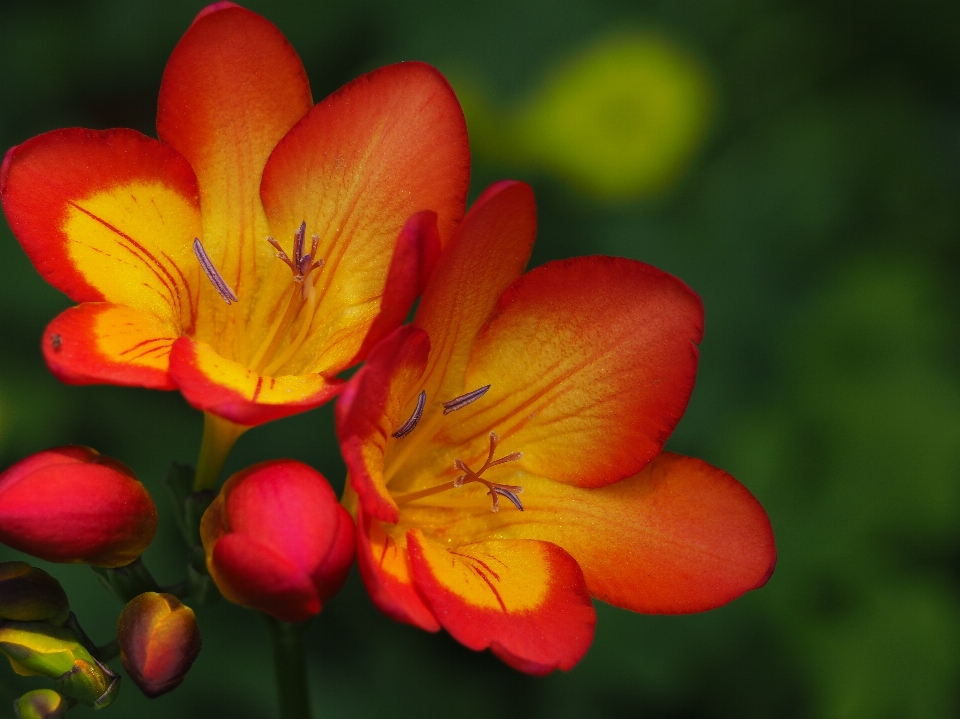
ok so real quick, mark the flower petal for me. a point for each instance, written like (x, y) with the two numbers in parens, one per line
(232, 88)
(679, 537)
(591, 362)
(377, 407)
(697, 537)
(525, 600)
(228, 389)
(248, 572)
(414, 259)
(387, 145)
(487, 254)
(385, 568)
(288, 506)
(330, 576)
(107, 216)
(101, 342)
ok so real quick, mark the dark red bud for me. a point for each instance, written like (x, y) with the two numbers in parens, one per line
(277, 540)
(159, 641)
(72, 504)
(28, 594)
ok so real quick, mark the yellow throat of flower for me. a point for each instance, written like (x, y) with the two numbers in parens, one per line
(300, 309)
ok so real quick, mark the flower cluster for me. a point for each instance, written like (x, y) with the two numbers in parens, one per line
(505, 450)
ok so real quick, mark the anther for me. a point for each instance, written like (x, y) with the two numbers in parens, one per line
(499, 491)
(216, 279)
(464, 399)
(408, 426)
(298, 238)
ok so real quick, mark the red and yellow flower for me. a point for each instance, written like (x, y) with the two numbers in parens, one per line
(157, 239)
(563, 383)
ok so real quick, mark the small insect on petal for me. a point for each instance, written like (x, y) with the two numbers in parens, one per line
(216, 279)
(464, 399)
(408, 426)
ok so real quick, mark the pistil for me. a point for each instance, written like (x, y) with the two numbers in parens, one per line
(495, 490)
(304, 298)
(301, 265)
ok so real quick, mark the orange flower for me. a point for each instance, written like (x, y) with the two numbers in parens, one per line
(562, 384)
(243, 258)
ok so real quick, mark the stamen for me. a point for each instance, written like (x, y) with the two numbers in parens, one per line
(408, 426)
(216, 279)
(464, 399)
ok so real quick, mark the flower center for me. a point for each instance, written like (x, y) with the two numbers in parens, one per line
(495, 490)
(302, 302)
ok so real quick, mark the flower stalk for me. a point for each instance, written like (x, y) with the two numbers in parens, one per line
(289, 666)
(219, 435)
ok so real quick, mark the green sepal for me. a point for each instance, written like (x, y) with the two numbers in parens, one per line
(57, 653)
(201, 586)
(127, 582)
(41, 648)
(90, 683)
(188, 506)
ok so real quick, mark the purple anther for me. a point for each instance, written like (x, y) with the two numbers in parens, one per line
(298, 243)
(505, 493)
(216, 279)
(408, 426)
(464, 399)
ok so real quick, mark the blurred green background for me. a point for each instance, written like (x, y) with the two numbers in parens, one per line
(796, 163)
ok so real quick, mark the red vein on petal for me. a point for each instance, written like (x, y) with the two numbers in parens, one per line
(169, 283)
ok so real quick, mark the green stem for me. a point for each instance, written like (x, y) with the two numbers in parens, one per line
(290, 669)
(181, 589)
(129, 581)
(219, 434)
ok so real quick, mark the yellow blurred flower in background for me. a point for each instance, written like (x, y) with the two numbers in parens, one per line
(620, 120)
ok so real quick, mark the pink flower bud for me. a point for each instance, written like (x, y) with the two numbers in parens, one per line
(72, 504)
(277, 540)
(159, 641)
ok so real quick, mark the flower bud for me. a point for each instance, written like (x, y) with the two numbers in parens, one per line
(277, 540)
(159, 641)
(28, 594)
(40, 704)
(36, 648)
(72, 504)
